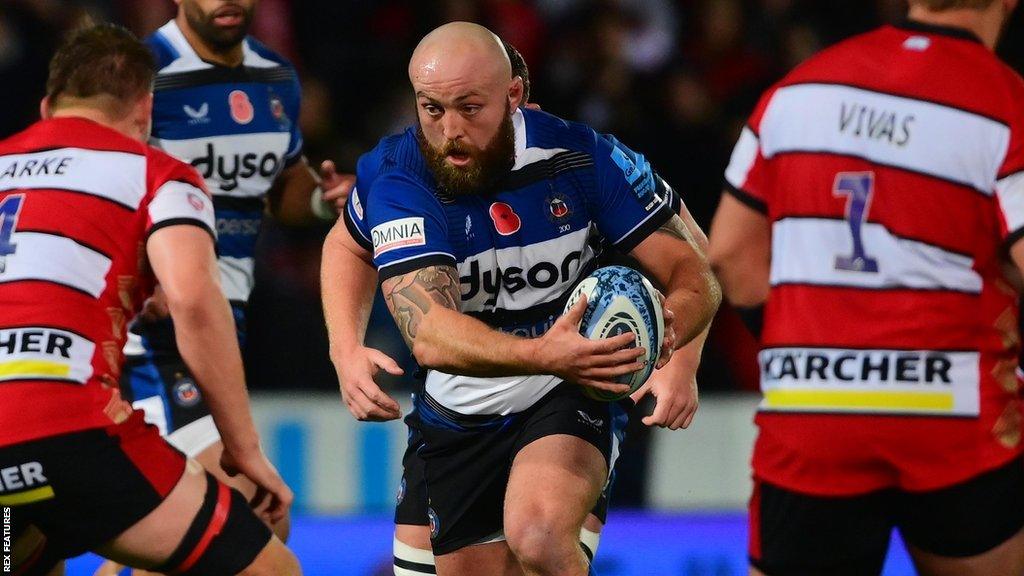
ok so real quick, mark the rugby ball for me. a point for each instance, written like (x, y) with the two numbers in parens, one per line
(620, 300)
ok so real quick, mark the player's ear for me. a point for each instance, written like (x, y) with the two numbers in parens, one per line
(45, 110)
(142, 116)
(515, 93)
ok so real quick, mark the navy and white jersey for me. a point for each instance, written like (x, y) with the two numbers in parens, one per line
(237, 126)
(520, 250)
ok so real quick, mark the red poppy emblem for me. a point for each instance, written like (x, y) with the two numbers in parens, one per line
(505, 220)
(241, 107)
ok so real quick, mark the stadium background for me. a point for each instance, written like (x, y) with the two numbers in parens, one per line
(674, 79)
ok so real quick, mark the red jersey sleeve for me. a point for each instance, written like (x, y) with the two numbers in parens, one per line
(1010, 179)
(177, 196)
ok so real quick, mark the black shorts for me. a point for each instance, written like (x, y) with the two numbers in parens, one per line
(468, 459)
(797, 534)
(160, 383)
(166, 382)
(84, 488)
(411, 502)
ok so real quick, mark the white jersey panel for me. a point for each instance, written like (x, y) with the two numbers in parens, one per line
(520, 277)
(237, 165)
(805, 251)
(178, 201)
(116, 176)
(236, 277)
(469, 395)
(885, 129)
(57, 259)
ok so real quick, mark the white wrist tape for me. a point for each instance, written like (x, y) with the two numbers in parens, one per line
(321, 208)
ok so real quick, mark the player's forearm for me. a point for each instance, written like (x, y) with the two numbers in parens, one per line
(744, 281)
(425, 305)
(455, 343)
(693, 297)
(208, 343)
(347, 285)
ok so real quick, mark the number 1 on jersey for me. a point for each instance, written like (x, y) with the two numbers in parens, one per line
(858, 186)
(9, 208)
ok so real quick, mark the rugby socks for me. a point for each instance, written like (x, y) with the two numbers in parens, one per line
(589, 541)
(411, 561)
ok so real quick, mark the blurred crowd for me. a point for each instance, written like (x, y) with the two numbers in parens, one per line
(674, 79)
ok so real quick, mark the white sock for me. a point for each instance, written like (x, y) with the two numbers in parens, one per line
(411, 561)
(589, 540)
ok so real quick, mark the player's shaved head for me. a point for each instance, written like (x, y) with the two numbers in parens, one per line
(459, 50)
(465, 94)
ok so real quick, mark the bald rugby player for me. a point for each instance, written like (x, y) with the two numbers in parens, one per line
(515, 429)
(357, 365)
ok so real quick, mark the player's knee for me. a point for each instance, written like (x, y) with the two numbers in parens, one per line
(275, 560)
(541, 540)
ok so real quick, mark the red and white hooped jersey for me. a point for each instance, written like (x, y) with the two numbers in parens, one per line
(891, 169)
(77, 202)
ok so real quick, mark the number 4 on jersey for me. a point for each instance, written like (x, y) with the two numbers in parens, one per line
(9, 209)
(858, 186)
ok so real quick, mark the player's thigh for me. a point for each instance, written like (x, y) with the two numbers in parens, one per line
(1005, 559)
(413, 535)
(572, 473)
(211, 530)
(84, 488)
(491, 559)
(153, 539)
(973, 527)
(795, 534)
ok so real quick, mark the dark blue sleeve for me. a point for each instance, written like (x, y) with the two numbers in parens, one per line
(630, 201)
(367, 171)
(661, 187)
(408, 227)
(292, 104)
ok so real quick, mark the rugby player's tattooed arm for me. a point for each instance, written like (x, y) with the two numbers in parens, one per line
(675, 256)
(425, 304)
(411, 296)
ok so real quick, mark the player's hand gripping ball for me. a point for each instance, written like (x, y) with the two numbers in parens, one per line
(620, 300)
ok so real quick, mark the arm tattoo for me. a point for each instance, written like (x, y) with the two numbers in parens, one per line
(677, 229)
(410, 296)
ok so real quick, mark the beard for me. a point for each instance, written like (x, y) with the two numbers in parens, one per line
(489, 164)
(218, 38)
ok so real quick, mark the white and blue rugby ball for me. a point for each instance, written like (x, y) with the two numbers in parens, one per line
(620, 300)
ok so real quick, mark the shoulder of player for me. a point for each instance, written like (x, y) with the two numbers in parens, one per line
(164, 53)
(399, 185)
(163, 168)
(544, 130)
(260, 55)
(835, 59)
